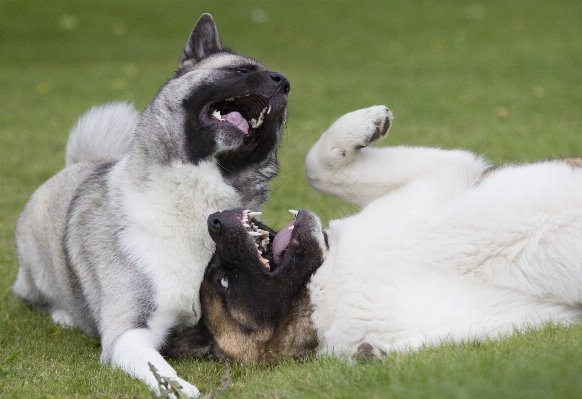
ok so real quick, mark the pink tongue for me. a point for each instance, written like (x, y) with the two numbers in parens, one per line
(281, 242)
(236, 119)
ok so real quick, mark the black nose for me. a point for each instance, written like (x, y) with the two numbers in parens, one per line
(281, 80)
(214, 224)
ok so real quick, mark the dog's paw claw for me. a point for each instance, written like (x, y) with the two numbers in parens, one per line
(357, 129)
(376, 122)
(382, 127)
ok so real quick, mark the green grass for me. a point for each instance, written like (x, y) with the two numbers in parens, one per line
(503, 79)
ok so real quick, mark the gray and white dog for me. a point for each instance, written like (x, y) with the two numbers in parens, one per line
(116, 244)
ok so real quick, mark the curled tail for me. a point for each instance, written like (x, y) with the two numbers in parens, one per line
(105, 131)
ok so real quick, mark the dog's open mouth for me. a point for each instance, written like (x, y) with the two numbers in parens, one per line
(270, 253)
(247, 113)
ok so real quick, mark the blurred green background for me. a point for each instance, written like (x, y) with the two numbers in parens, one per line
(501, 78)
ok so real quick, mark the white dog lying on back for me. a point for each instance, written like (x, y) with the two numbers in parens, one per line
(446, 247)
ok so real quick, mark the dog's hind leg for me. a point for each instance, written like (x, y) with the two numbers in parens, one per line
(25, 289)
(135, 350)
(340, 165)
(62, 318)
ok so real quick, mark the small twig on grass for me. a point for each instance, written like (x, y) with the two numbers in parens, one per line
(226, 381)
(168, 388)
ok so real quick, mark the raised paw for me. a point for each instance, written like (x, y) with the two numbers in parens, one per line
(379, 119)
(357, 129)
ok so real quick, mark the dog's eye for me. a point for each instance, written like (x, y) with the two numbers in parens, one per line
(224, 281)
(242, 71)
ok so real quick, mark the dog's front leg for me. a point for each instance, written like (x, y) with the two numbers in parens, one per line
(336, 166)
(135, 350)
(340, 165)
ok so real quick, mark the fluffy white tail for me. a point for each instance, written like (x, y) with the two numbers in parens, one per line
(105, 131)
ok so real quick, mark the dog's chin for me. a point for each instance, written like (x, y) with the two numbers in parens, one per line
(240, 122)
(230, 140)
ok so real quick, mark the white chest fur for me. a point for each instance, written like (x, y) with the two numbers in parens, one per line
(168, 234)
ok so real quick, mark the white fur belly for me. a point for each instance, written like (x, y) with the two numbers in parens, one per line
(399, 309)
(457, 266)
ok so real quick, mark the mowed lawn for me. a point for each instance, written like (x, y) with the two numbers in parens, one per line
(500, 78)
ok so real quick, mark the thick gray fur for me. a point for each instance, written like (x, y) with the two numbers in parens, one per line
(104, 132)
(116, 243)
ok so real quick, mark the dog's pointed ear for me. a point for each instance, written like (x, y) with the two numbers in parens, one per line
(194, 342)
(203, 40)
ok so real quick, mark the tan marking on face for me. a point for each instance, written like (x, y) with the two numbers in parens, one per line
(294, 337)
(228, 332)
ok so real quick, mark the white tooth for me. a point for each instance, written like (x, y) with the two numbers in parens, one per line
(256, 125)
(266, 263)
(265, 242)
(293, 212)
(269, 110)
(290, 227)
(230, 99)
(265, 233)
(216, 114)
(254, 234)
(246, 226)
(253, 214)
